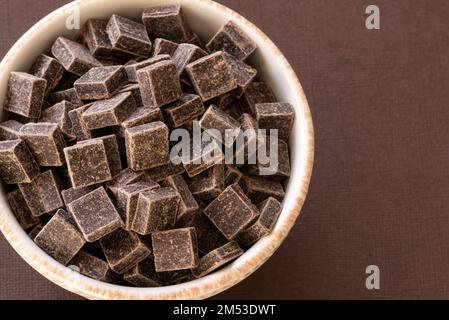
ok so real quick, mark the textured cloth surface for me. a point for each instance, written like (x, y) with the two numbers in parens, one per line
(380, 188)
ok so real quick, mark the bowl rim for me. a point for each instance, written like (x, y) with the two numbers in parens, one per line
(197, 289)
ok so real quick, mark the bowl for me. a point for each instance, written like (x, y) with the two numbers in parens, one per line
(205, 17)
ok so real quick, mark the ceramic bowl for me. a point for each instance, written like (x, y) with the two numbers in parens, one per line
(205, 18)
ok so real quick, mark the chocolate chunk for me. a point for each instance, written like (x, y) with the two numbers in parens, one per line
(97, 40)
(87, 162)
(124, 178)
(72, 194)
(234, 109)
(21, 211)
(185, 54)
(59, 114)
(202, 157)
(101, 82)
(69, 95)
(49, 69)
(243, 74)
(278, 116)
(183, 111)
(147, 146)
(188, 205)
(159, 84)
(223, 127)
(9, 130)
(270, 210)
(112, 153)
(95, 214)
(35, 231)
(127, 197)
(232, 175)
(164, 46)
(231, 212)
(128, 35)
(73, 56)
(279, 169)
(209, 237)
(217, 258)
(258, 188)
(175, 249)
(16, 162)
(232, 40)
(208, 184)
(110, 112)
(167, 22)
(176, 277)
(141, 116)
(211, 76)
(156, 210)
(123, 250)
(247, 141)
(135, 91)
(91, 266)
(46, 143)
(25, 94)
(161, 173)
(60, 238)
(132, 69)
(144, 274)
(257, 92)
(79, 127)
(42, 194)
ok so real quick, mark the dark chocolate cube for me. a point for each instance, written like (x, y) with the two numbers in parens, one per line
(25, 94)
(88, 164)
(164, 46)
(159, 84)
(183, 111)
(167, 22)
(247, 141)
(110, 112)
(147, 146)
(132, 68)
(217, 258)
(270, 210)
(188, 205)
(156, 210)
(95, 214)
(16, 162)
(46, 142)
(202, 157)
(211, 76)
(135, 91)
(59, 114)
(127, 177)
(128, 35)
(141, 116)
(278, 116)
(243, 74)
(73, 56)
(259, 189)
(217, 120)
(49, 69)
(100, 82)
(279, 169)
(144, 274)
(60, 238)
(42, 195)
(185, 54)
(208, 184)
(21, 211)
(127, 197)
(175, 249)
(112, 153)
(91, 266)
(9, 130)
(257, 92)
(209, 237)
(97, 40)
(72, 194)
(69, 95)
(233, 40)
(79, 127)
(162, 172)
(231, 212)
(232, 175)
(123, 250)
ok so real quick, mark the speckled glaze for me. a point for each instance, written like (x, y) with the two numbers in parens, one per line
(206, 17)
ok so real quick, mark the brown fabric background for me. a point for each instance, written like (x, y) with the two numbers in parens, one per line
(380, 188)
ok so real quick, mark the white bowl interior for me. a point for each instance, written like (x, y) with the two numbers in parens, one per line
(205, 17)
